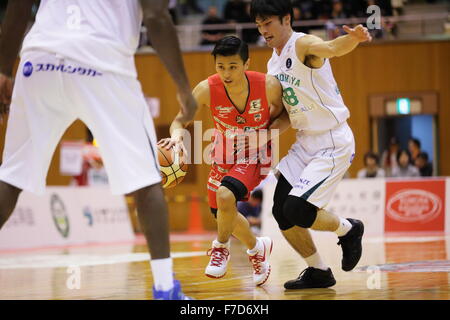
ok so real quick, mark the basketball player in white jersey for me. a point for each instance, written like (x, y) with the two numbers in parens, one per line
(325, 146)
(77, 62)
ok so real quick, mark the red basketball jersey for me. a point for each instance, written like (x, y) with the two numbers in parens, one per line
(229, 122)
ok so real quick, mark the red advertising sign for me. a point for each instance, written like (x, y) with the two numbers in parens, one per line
(416, 205)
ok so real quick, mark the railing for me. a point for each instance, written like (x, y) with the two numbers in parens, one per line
(190, 35)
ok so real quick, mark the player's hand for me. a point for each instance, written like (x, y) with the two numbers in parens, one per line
(188, 106)
(360, 33)
(176, 143)
(6, 89)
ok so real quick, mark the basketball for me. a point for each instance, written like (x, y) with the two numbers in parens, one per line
(173, 167)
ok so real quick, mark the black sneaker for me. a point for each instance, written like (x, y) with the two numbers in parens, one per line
(312, 278)
(351, 245)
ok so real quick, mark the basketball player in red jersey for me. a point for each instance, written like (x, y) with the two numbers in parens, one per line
(241, 102)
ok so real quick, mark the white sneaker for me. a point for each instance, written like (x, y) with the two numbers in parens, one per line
(220, 255)
(260, 261)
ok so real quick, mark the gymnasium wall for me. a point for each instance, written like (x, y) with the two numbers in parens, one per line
(372, 68)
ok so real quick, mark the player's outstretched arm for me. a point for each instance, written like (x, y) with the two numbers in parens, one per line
(164, 38)
(18, 13)
(314, 46)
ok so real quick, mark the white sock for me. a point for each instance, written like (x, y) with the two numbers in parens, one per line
(217, 244)
(256, 248)
(315, 261)
(162, 270)
(344, 227)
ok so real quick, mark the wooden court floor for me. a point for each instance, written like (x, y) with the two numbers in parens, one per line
(391, 268)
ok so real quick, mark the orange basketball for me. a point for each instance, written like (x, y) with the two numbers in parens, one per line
(173, 167)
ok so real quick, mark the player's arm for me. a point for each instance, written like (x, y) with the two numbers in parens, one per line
(164, 38)
(201, 96)
(311, 45)
(18, 14)
(279, 118)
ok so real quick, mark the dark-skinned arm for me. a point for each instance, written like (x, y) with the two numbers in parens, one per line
(164, 39)
(18, 14)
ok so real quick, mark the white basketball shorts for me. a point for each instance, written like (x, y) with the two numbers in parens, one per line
(50, 93)
(316, 163)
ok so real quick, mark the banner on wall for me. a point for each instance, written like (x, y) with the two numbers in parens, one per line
(67, 216)
(415, 205)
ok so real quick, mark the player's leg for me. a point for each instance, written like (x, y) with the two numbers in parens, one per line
(243, 179)
(301, 241)
(119, 119)
(304, 206)
(8, 198)
(38, 118)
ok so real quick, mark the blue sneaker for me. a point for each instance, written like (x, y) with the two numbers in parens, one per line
(173, 294)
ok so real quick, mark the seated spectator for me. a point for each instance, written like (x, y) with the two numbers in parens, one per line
(298, 16)
(236, 11)
(389, 157)
(210, 37)
(414, 147)
(405, 168)
(425, 167)
(251, 209)
(371, 169)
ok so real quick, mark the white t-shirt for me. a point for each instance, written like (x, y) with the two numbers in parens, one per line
(102, 34)
(311, 96)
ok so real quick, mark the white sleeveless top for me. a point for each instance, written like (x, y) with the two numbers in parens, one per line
(311, 96)
(103, 34)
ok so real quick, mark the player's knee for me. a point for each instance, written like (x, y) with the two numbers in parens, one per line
(225, 198)
(277, 212)
(299, 212)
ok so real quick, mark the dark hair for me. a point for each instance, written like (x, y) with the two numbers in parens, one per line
(416, 142)
(372, 155)
(229, 46)
(257, 194)
(403, 151)
(423, 155)
(268, 8)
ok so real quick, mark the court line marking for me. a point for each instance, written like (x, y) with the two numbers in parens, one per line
(81, 260)
(418, 239)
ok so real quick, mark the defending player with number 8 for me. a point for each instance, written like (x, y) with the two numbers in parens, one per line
(242, 103)
(325, 146)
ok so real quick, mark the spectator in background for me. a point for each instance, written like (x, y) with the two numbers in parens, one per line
(425, 167)
(405, 169)
(371, 169)
(251, 210)
(298, 16)
(397, 7)
(414, 147)
(187, 5)
(236, 11)
(210, 37)
(337, 12)
(389, 157)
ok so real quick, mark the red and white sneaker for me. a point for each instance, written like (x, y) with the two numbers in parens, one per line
(260, 260)
(220, 255)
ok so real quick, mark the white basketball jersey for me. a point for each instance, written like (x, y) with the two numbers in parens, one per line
(311, 96)
(103, 34)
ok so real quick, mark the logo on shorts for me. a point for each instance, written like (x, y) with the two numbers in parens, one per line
(27, 69)
(352, 157)
(59, 214)
(289, 63)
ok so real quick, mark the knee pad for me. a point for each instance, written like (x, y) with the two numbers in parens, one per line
(299, 212)
(277, 212)
(235, 186)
